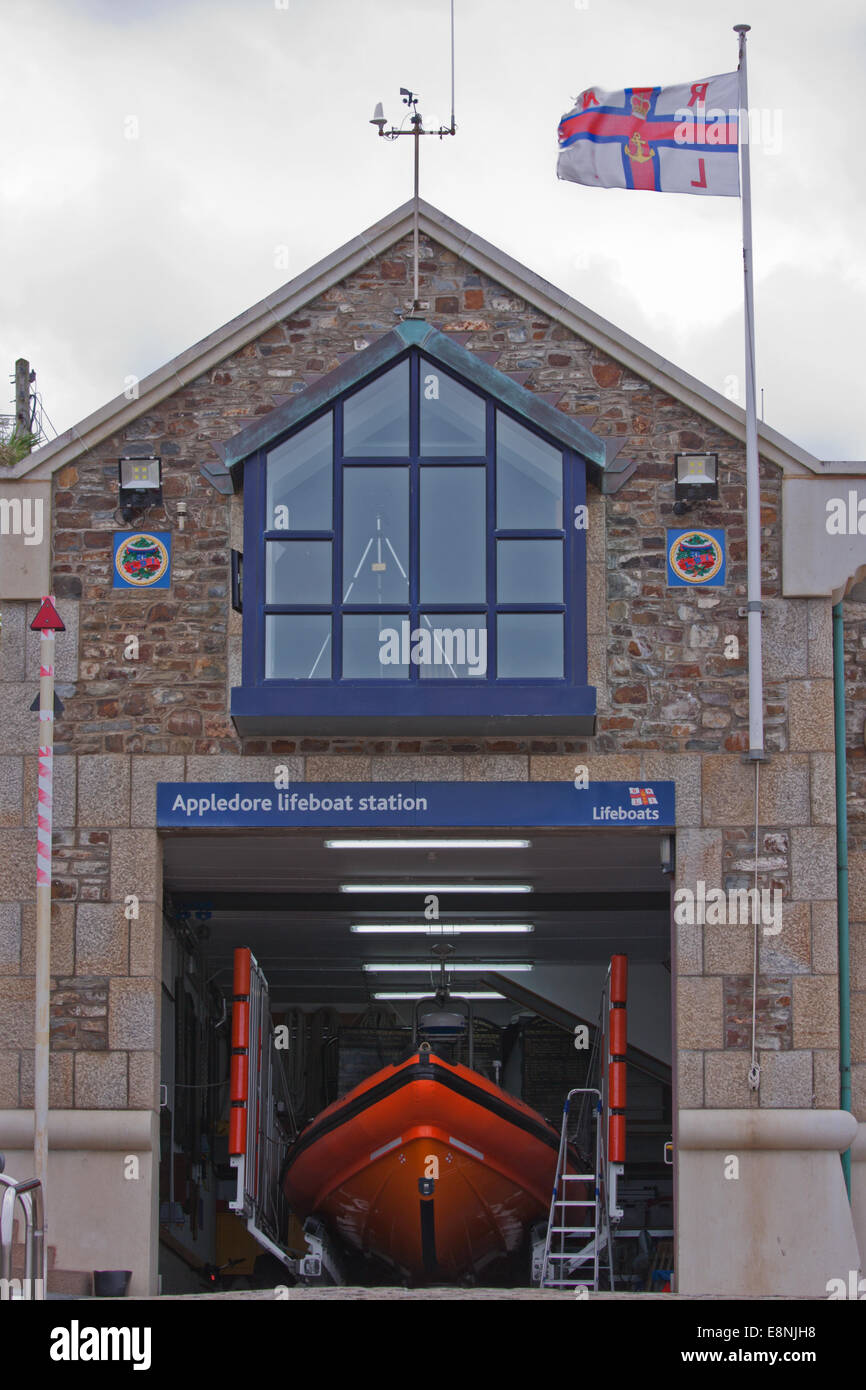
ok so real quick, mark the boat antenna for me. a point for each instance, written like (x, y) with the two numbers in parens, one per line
(416, 124)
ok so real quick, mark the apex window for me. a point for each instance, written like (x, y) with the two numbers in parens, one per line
(412, 538)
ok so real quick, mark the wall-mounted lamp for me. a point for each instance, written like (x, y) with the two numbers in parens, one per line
(696, 479)
(139, 485)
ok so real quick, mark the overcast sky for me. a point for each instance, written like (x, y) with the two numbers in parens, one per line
(251, 123)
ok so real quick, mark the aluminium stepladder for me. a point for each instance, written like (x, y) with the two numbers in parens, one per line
(578, 1229)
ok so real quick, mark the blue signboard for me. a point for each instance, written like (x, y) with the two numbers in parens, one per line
(242, 805)
(696, 558)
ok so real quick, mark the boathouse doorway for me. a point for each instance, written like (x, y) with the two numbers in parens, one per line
(347, 926)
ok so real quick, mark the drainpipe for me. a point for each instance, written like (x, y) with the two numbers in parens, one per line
(842, 874)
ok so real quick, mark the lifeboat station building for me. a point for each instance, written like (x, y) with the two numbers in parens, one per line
(405, 654)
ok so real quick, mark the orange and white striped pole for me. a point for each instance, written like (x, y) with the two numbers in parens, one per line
(46, 623)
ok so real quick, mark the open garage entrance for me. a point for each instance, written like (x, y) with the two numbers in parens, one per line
(341, 931)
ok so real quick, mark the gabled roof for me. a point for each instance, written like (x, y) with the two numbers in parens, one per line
(439, 347)
(487, 259)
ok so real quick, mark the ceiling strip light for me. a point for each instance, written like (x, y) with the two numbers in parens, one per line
(440, 928)
(436, 888)
(467, 967)
(428, 844)
(422, 994)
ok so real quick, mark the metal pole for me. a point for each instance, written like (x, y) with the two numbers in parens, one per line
(754, 607)
(452, 67)
(417, 121)
(43, 914)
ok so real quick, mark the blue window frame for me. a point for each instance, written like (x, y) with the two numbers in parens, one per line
(409, 555)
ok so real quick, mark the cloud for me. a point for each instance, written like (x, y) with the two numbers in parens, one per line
(157, 154)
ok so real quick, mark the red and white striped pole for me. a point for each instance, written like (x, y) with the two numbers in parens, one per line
(617, 1043)
(240, 1063)
(46, 623)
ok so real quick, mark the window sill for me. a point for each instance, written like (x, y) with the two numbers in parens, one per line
(369, 708)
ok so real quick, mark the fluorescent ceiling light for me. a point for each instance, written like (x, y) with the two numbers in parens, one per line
(423, 994)
(468, 967)
(427, 844)
(436, 888)
(439, 928)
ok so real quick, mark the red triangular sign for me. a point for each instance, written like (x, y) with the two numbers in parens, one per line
(48, 618)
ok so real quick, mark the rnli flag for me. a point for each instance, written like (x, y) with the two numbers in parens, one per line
(680, 139)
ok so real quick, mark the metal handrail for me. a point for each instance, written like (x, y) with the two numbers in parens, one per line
(29, 1193)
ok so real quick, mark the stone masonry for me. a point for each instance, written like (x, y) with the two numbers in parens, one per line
(671, 704)
(855, 700)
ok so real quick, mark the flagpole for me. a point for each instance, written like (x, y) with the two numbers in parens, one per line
(754, 606)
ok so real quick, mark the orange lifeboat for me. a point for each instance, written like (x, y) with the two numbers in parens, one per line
(428, 1166)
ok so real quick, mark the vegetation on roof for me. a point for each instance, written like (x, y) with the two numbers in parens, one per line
(16, 446)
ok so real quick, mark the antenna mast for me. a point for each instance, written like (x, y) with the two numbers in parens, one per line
(416, 122)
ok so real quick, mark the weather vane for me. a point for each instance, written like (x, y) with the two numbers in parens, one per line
(416, 129)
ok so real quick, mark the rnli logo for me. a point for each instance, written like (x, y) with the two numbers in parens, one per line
(142, 560)
(695, 557)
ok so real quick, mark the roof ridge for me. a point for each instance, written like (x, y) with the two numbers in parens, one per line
(244, 328)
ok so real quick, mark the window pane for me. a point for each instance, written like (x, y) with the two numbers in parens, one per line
(374, 646)
(376, 420)
(528, 479)
(299, 480)
(298, 646)
(299, 572)
(452, 646)
(452, 418)
(453, 535)
(529, 644)
(529, 571)
(375, 535)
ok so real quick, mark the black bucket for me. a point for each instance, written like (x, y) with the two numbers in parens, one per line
(111, 1283)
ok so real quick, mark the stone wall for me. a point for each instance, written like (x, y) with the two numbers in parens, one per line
(854, 611)
(671, 705)
(104, 968)
(670, 685)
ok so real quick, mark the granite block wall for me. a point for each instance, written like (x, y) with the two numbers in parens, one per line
(671, 704)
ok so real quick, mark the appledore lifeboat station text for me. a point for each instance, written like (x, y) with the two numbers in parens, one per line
(423, 803)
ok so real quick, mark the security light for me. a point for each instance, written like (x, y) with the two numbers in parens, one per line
(139, 484)
(696, 479)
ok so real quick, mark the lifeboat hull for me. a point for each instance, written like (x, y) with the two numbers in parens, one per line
(427, 1166)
